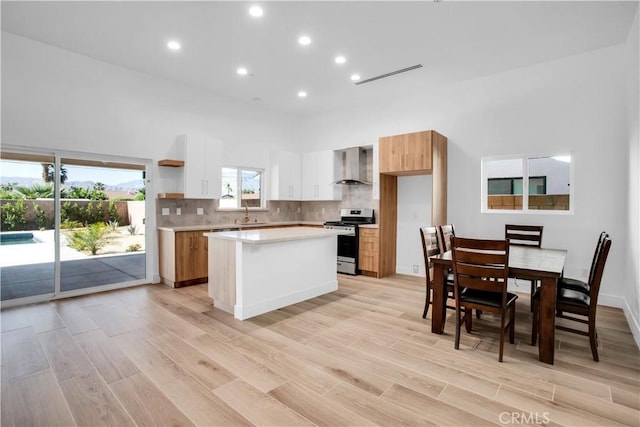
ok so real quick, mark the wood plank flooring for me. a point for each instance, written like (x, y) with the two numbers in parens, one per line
(361, 356)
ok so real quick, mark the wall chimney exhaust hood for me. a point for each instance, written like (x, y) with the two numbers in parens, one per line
(354, 169)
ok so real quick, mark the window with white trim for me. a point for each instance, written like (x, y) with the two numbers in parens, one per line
(527, 184)
(241, 187)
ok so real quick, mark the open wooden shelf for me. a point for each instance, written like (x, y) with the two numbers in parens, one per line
(170, 195)
(171, 163)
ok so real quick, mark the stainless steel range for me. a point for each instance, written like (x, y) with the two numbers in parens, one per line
(348, 243)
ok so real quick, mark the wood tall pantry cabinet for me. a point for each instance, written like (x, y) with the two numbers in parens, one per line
(183, 257)
(418, 153)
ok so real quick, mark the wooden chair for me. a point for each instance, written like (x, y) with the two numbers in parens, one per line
(578, 303)
(580, 285)
(446, 233)
(481, 269)
(431, 247)
(525, 235)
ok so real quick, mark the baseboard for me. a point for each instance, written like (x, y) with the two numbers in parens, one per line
(619, 302)
(245, 312)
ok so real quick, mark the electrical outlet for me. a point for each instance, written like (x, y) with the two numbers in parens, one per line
(166, 211)
(298, 209)
(416, 268)
(199, 211)
(323, 210)
(277, 210)
(178, 211)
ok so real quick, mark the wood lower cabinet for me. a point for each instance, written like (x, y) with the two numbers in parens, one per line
(183, 257)
(368, 251)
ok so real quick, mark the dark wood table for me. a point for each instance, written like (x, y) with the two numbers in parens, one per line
(545, 265)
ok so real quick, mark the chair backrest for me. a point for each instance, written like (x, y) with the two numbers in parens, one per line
(594, 282)
(594, 261)
(523, 235)
(430, 246)
(480, 264)
(446, 233)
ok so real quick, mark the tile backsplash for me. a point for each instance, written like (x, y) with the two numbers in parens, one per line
(353, 196)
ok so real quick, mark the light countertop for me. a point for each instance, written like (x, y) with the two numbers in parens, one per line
(275, 234)
(213, 227)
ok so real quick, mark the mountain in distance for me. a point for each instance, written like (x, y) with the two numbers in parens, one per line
(28, 182)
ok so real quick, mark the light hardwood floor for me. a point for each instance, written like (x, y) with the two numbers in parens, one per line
(360, 356)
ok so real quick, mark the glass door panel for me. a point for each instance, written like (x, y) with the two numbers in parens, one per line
(102, 224)
(27, 237)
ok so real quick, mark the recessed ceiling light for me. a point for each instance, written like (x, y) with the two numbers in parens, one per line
(174, 45)
(256, 11)
(355, 77)
(340, 59)
(304, 40)
(302, 94)
(242, 71)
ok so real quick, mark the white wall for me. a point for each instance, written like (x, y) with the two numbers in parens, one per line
(631, 289)
(574, 105)
(414, 211)
(52, 98)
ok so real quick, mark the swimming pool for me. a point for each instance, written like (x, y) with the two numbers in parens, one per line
(17, 238)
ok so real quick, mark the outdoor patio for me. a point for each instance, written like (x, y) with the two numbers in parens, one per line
(25, 280)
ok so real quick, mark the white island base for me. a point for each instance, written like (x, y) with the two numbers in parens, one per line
(256, 271)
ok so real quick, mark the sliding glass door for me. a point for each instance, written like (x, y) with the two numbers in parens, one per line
(70, 225)
(27, 237)
(102, 224)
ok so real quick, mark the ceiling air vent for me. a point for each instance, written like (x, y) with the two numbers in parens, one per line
(392, 73)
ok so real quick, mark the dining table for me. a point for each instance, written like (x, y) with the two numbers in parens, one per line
(540, 264)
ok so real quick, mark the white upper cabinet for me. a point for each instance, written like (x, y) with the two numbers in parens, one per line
(285, 177)
(318, 176)
(203, 166)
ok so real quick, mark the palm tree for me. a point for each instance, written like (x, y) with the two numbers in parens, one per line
(48, 173)
(37, 191)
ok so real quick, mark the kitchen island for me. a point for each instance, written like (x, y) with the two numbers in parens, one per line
(252, 272)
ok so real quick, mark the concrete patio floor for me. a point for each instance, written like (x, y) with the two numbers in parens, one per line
(25, 280)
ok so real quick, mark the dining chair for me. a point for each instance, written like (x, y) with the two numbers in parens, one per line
(581, 285)
(431, 247)
(578, 303)
(525, 235)
(446, 232)
(481, 269)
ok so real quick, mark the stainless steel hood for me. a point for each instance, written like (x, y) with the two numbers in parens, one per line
(354, 167)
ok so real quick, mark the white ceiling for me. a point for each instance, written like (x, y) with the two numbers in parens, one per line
(453, 40)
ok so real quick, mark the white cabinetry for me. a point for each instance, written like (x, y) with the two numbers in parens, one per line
(285, 175)
(318, 176)
(203, 166)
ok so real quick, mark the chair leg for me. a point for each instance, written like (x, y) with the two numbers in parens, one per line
(427, 300)
(478, 313)
(457, 342)
(468, 319)
(502, 316)
(512, 324)
(533, 289)
(593, 340)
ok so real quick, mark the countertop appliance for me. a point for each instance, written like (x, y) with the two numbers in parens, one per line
(348, 243)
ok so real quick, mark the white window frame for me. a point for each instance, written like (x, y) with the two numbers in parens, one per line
(525, 185)
(239, 170)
